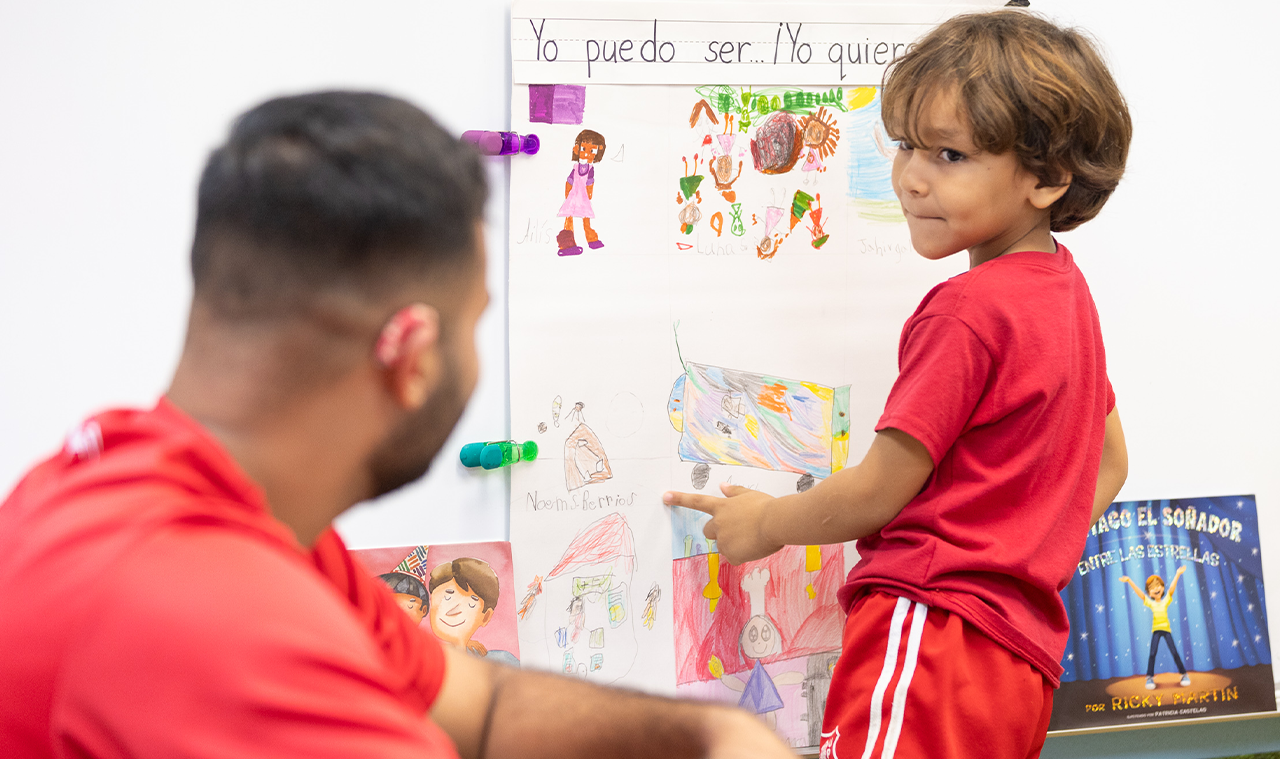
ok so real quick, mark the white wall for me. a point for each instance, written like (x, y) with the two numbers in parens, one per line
(109, 111)
(110, 108)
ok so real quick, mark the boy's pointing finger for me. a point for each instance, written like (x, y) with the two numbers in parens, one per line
(704, 503)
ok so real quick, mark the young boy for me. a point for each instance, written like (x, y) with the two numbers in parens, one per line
(1000, 442)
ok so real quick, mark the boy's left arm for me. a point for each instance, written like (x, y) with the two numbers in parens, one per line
(848, 505)
(1114, 467)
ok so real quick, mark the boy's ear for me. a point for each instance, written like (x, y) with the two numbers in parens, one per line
(488, 615)
(408, 349)
(1045, 195)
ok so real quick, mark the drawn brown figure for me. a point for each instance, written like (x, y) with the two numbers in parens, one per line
(579, 188)
(721, 168)
(585, 462)
(819, 135)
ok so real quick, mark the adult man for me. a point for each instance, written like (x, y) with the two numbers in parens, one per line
(170, 581)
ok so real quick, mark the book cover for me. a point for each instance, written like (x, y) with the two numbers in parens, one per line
(1168, 617)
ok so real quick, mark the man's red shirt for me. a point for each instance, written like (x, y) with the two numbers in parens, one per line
(153, 607)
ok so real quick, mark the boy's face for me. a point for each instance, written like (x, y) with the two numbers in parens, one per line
(456, 614)
(412, 606)
(957, 197)
(1155, 591)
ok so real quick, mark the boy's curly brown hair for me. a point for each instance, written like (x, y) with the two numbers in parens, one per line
(1026, 85)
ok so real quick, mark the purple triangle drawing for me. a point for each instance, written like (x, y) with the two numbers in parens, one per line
(726, 142)
(760, 694)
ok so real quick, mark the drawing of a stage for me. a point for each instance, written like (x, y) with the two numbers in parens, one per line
(741, 418)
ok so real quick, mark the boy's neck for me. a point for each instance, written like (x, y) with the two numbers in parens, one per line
(1038, 239)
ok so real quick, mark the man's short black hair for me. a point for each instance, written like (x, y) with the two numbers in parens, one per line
(350, 190)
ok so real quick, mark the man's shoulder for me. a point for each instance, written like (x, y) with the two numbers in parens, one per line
(220, 607)
(223, 585)
(215, 635)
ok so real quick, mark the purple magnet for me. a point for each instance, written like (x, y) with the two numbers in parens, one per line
(502, 143)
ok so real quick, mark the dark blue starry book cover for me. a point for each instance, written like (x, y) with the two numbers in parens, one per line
(1168, 617)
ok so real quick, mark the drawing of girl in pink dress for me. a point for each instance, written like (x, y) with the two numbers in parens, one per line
(578, 189)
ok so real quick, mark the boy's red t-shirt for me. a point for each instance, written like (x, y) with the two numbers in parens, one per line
(153, 607)
(1002, 377)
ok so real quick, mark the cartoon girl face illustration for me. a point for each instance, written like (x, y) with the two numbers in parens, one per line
(589, 147)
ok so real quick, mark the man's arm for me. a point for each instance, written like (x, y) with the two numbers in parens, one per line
(493, 711)
(850, 504)
(1114, 468)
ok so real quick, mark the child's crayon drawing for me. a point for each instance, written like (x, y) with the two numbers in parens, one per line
(776, 133)
(738, 418)
(764, 635)
(579, 189)
(585, 606)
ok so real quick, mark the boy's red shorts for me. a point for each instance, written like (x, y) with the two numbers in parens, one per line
(914, 681)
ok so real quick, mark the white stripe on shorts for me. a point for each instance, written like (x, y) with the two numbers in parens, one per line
(886, 674)
(918, 616)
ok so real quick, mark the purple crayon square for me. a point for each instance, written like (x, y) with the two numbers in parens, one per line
(557, 103)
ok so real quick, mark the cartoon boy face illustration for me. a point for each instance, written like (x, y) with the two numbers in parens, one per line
(410, 593)
(464, 593)
(457, 613)
(412, 606)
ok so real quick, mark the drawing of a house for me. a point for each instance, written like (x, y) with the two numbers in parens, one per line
(589, 616)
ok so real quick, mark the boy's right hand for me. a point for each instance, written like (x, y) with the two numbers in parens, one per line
(737, 521)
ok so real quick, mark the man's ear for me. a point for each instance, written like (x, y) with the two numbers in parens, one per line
(1045, 195)
(408, 348)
